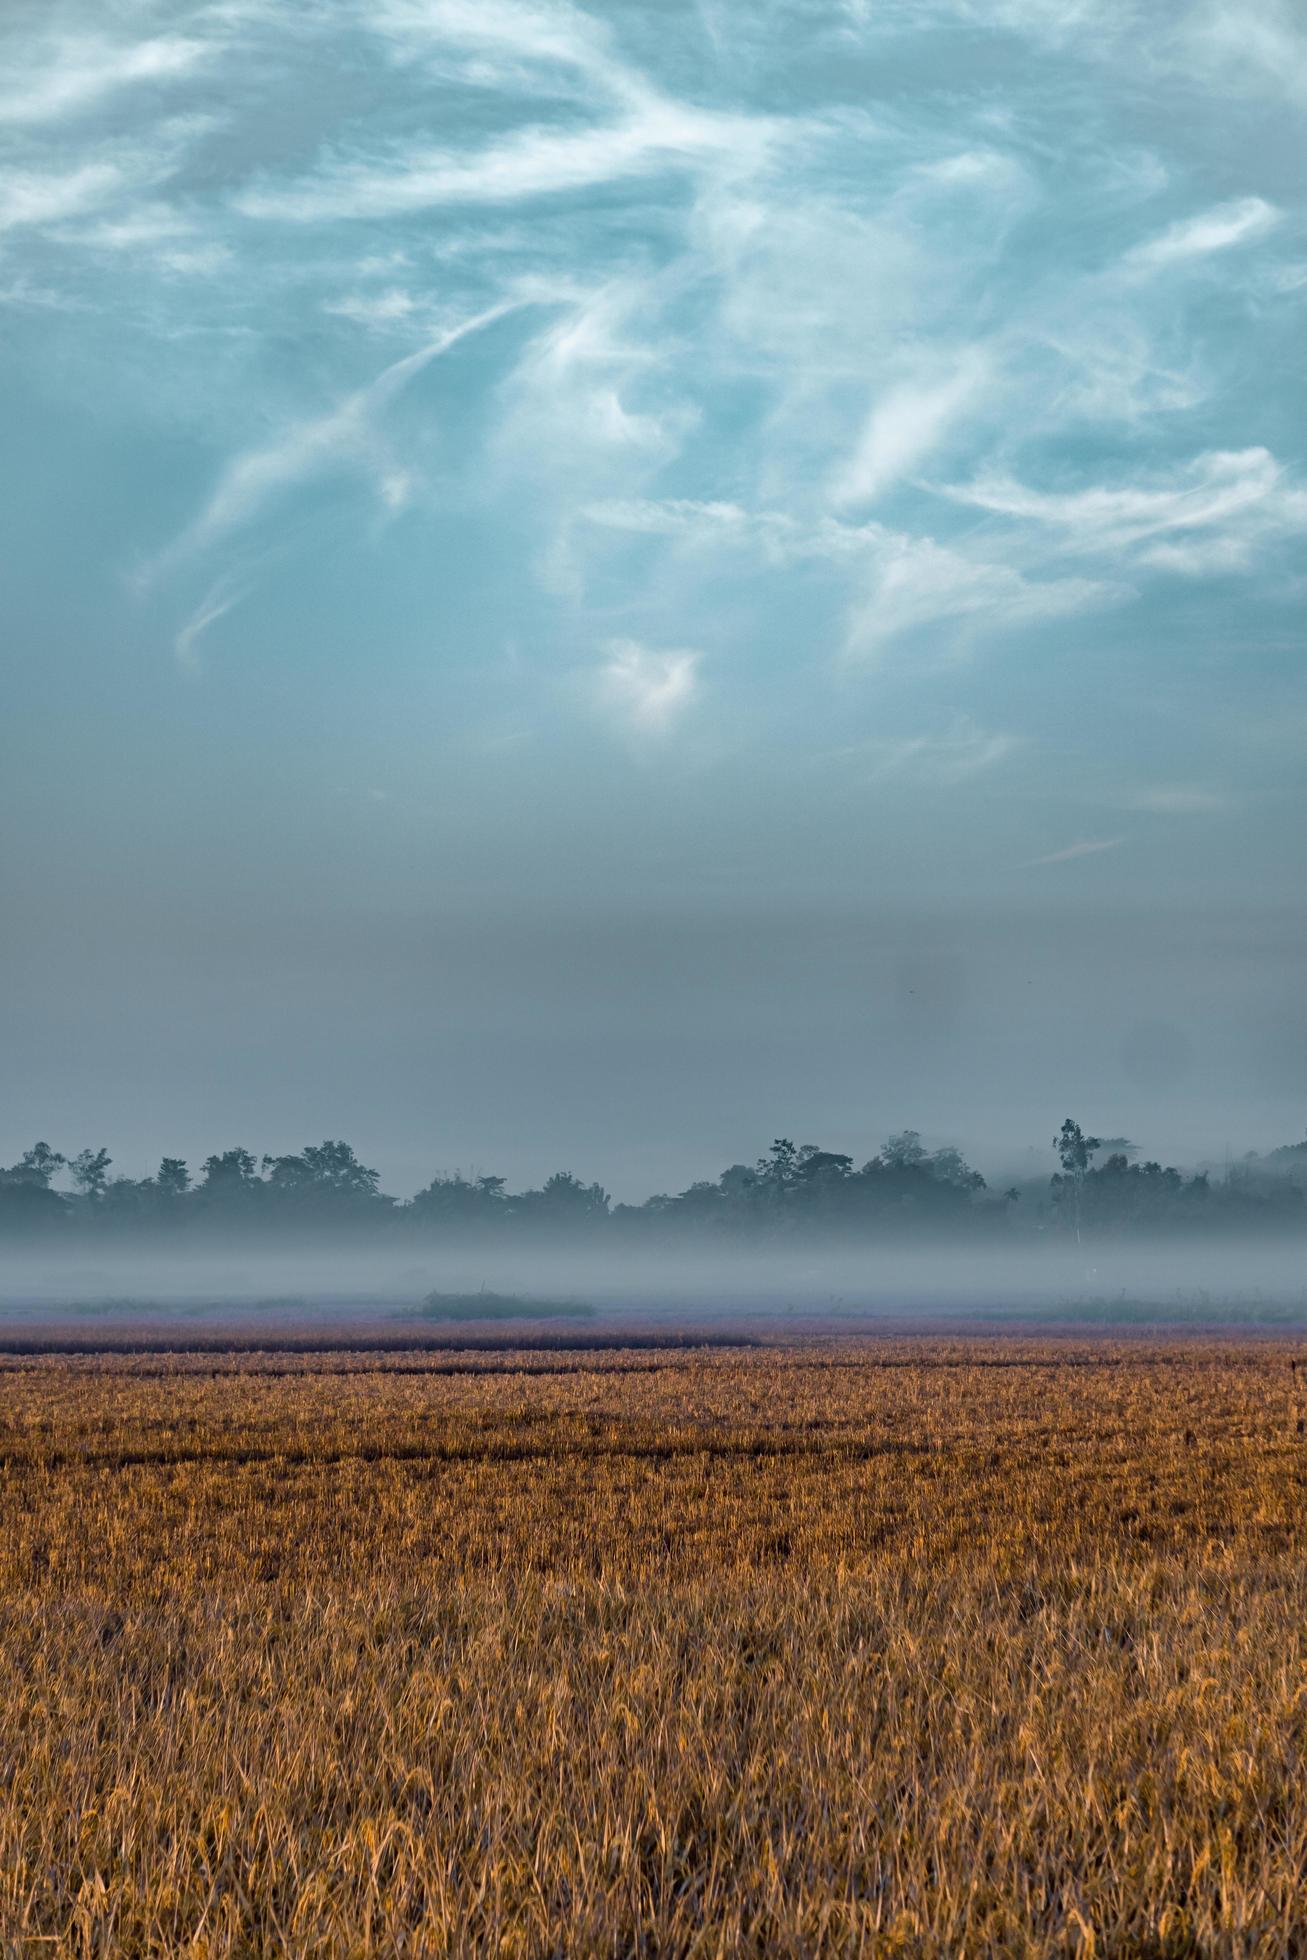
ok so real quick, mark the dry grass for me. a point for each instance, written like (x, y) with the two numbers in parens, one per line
(924, 1648)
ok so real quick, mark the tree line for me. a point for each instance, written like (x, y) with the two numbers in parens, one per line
(1098, 1187)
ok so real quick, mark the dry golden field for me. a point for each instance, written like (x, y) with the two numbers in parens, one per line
(919, 1647)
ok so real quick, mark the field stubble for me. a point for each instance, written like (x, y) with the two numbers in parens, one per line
(919, 1647)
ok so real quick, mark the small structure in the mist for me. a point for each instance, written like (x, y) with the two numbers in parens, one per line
(484, 1305)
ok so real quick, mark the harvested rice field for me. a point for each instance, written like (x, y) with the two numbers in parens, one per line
(918, 1646)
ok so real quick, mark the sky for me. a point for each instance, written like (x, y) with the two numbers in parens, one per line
(587, 587)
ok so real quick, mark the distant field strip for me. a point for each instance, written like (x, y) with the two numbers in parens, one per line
(921, 1647)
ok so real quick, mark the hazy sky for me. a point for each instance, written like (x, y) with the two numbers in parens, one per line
(585, 587)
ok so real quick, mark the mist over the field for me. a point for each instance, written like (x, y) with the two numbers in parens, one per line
(801, 1233)
(577, 1291)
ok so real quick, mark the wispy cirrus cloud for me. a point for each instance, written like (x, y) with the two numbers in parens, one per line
(916, 583)
(532, 163)
(647, 689)
(1256, 45)
(42, 197)
(622, 129)
(1251, 44)
(74, 74)
(899, 582)
(385, 310)
(149, 225)
(220, 599)
(954, 754)
(1088, 847)
(1178, 800)
(1207, 514)
(508, 43)
(115, 181)
(906, 425)
(925, 352)
(1240, 222)
(347, 435)
(584, 390)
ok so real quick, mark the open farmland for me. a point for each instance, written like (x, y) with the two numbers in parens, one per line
(908, 1646)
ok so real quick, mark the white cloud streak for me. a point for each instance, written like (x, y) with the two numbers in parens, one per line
(953, 755)
(1178, 800)
(217, 602)
(916, 583)
(906, 425)
(1217, 230)
(903, 583)
(1244, 494)
(1259, 45)
(347, 435)
(1089, 847)
(533, 163)
(31, 197)
(645, 688)
(509, 42)
(76, 74)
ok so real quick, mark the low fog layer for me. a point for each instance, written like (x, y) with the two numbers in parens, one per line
(306, 1288)
(309, 1237)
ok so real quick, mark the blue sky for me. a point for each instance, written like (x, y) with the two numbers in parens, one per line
(555, 559)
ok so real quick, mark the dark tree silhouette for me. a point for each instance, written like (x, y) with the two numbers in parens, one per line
(904, 1152)
(37, 1166)
(90, 1172)
(231, 1170)
(779, 1169)
(795, 1193)
(1074, 1150)
(564, 1200)
(27, 1204)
